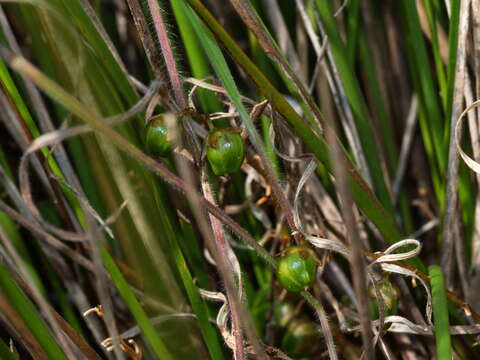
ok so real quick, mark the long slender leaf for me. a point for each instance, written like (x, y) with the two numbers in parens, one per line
(29, 314)
(429, 97)
(357, 103)
(200, 309)
(134, 306)
(5, 352)
(440, 313)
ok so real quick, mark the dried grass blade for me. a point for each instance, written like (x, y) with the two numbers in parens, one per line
(451, 209)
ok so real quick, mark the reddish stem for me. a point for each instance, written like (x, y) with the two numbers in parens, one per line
(167, 52)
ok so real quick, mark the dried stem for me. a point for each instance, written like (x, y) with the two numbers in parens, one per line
(451, 210)
(221, 245)
(357, 262)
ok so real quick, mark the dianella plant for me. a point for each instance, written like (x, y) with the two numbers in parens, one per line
(239, 179)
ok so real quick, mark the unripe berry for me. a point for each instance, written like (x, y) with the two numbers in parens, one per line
(225, 151)
(297, 268)
(157, 141)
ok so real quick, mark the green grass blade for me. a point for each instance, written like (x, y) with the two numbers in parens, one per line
(374, 88)
(356, 101)
(441, 76)
(419, 77)
(12, 232)
(5, 353)
(135, 308)
(440, 314)
(269, 149)
(198, 304)
(353, 22)
(428, 94)
(29, 315)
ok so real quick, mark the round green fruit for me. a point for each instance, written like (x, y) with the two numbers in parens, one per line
(302, 338)
(157, 141)
(297, 268)
(390, 294)
(225, 151)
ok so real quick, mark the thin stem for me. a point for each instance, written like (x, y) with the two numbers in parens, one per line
(322, 316)
(451, 210)
(167, 52)
(222, 245)
(357, 262)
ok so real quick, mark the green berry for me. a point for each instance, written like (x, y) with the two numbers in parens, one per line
(390, 294)
(157, 140)
(297, 268)
(225, 151)
(302, 338)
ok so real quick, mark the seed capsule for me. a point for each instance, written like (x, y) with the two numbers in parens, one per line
(297, 268)
(390, 294)
(157, 140)
(225, 151)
